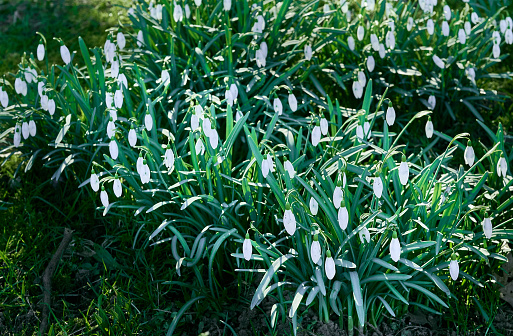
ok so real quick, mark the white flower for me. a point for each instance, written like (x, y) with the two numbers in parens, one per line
(289, 220)
(292, 102)
(430, 27)
(121, 40)
(148, 121)
(104, 197)
(177, 13)
(289, 168)
(395, 248)
(260, 58)
(231, 94)
(429, 128)
(357, 89)
(315, 250)
(439, 63)
(445, 28)
(25, 130)
(474, 18)
(469, 154)
(197, 2)
(308, 52)
(508, 36)
(371, 63)
(409, 24)
(454, 268)
(390, 115)
(503, 25)
(4, 97)
(158, 12)
(194, 122)
(361, 78)
(44, 102)
(259, 25)
(316, 135)
(118, 99)
(360, 32)
(140, 38)
(338, 195)
(496, 51)
(431, 102)
(390, 40)
(471, 74)
(382, 51)
(187, 11)
(265, 168)
(65, 55)
(118, 190)
(139, 163)
(371, 4)
(377, 187)
(404, 171)
(326, 8)
(350, 42)
(32, 127)
(277, 105)
(344, 4)
(467, 27)
(374, 42)
(314, 206)
(447, 12)
(169, 158)
(94, 181)
(271, 162)
(227, 4)
(238, 115)
(114, 69)
(17, 86)
(324, 126)
(17, 136)
(111, 128)
(113, 149)
(329, 266)
(502, 167)
(164, 77)
(462, 37)
(247, 248)
(200, 147)
(145, 173)
(51, 106)
(487, 227)
(132, 137)
(496, 37)
(214, 139)
(364, 234)
(40, 51)
(343, 216)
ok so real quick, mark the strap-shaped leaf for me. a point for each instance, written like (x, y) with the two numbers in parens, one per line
(259, 294)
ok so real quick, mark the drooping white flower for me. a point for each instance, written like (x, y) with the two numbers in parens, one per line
(447, 12)
(292, 102)
(25, 130)
(118, 189)
(395, 248)
(343, 216)
(65, 55)
(94, 181)
(114, 68)
(148, 121)
(140, 38)
(487, 226)
(454, 268)
(4, 97)
(17, 86)
(113, 149)
(474, 18)
(32, 127)
(111, 128)
(409, 24)
(17, 136)
(289, 220)
(377, 186)
(404, 171)
(164, 77)
(51, 106)
(227, 5)
(104, 197)
(260, 58)
(259, 25)
(314, 206)
(390, 40)
(214, 138)
(503, 26)
(177, 12)
(374, 42)
(357, 89)
(502, 166)
(390, 115)
(145, 173)
(360, 32)
(132, 137)
(371, 63)
(329, 266)
(169, 158)
(438, 61)
(247, 248)
(350, 42)
(308, 52)
(496, 51)
(462, 37)
(344, 4)
(187, 11)
(469, 154)
(508, 36)
(289, 168)
(41, 51)
(382, 52)
(316, 135)
(371, 5)
(315, 249)
(121, 40)
(364, 234)
(431, 102)
(277, 105)
(271, 162)
(265, 168)
(200, 147)
(118, 99)
(429, 128)
(467, 27)
(338, 195)
(44, 102)
(496, 37)
(430, 25)
(324, 126)
(445, 28)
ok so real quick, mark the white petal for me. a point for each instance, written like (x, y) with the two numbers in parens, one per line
(200, 147)
(110, 129)
(121, 40)
(293, 102)
(104, 197)
(359, 132)
(169, 158)
(65, 55)
(118, 190)
(194, 122)
(337, 197)
(214, 139)
(132, 137)
(32, 128)
(139, 165)
(454, 269)
(366, 129)
(207, 127)
(324, 126)
(25, 130)
(278, 107)
(343, 217)
(247, 249)
(51, 106)
(395, 249)
(314, 206)
(487, 227)
(469, 155)
(113, 148)
(315, 251)
(95, 182)
(329, 267)
(390, 116)
(40, 52)
(316, 136)
(429, 129)
(289, 220)
(148, 122)
(118, 99)
(227, 4)
(289, 168)
(404, 172)
(377, 187)
(371, 63)
(504, 166)
(265, 168)
(271, 163)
